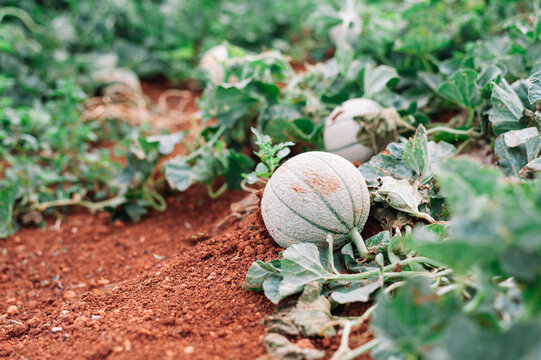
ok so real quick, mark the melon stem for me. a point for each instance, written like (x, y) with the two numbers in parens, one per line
(357, 239)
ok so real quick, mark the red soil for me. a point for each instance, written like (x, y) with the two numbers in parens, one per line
(155, 288)
(160, 289)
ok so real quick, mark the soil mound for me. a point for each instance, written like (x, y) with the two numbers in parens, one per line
(164, 288)
(76, 292)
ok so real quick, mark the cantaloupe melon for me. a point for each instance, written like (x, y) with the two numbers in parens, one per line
(341, 129)
(213, 61)
(312, 195)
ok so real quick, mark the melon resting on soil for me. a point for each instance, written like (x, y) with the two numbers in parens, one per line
(312, 195)
(341, 129)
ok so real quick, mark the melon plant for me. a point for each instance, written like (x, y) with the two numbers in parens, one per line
(315, 194)
(341, 129)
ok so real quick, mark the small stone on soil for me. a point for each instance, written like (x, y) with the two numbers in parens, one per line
(305, 344)
(103, 281)
(69, 294)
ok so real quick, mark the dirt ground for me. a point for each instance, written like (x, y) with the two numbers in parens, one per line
(162, 288)
(169, 287)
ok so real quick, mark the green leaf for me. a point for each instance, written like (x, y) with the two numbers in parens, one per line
(458, 255)
(534, 90)
(489, 211)
(533, 147)
(421, 155)
(261, 169)
(167, 142)
(380, 241)
(177, 173)
(355, 292)
(510, 148)
(297, 129)
(270, 155)
(422, 40)
(438, 153)
(507, 109)
(463, 181)
(490, 74)
(521, 265)
(141, 161)
(236, 165)
(7, 200)
(265, 276)
(416, 152)
(258, 272)
(208, 167)
(433, 81)
(134, 210)
(467, 339)
(229, 105)
(300, 266)
(412, 320)
(462, 89)
(285, 112)
(386, 165)
(402, 195)
(531, 294)
(439, 230)
(376, 79)
(271, 287)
